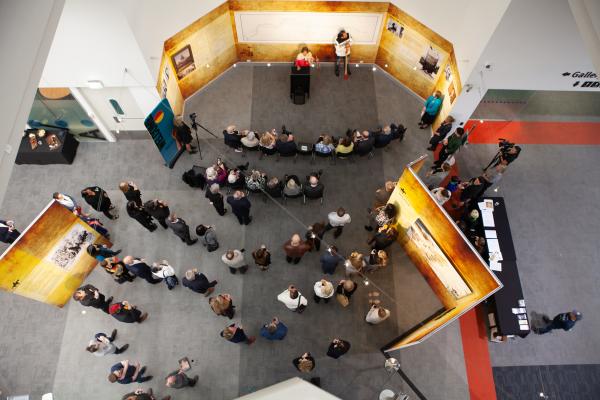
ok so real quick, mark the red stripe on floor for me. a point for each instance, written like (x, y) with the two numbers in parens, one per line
(477, 356)
(535, 132)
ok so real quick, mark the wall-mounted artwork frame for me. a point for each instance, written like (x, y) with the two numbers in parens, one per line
(183, 62)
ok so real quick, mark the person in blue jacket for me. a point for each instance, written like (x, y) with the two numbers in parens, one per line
(274, 330)
(430, 109)
(565, 321)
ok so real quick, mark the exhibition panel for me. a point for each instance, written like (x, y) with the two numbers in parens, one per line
(48, 262)
(449, 263)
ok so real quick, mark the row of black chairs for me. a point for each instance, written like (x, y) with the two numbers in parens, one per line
(278, 191)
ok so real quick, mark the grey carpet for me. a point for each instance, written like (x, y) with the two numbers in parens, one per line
(180, 321)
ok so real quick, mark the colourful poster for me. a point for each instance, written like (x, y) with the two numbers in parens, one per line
(49, 261)
(160, 125)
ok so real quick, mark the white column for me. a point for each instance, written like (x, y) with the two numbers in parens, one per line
(108, 135)
(34, 23)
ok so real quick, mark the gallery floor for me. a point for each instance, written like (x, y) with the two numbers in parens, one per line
(42, 348)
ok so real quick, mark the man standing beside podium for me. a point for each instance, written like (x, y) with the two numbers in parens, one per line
(304, 58)
(342, 52)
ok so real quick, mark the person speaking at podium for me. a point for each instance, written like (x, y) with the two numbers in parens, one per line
(342, 52)
(304, 58)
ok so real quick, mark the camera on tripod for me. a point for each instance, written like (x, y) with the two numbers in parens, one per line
(505, 145)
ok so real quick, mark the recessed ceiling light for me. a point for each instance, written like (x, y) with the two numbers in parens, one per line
(234, 65)
(268, 64)
(95, 84)
(386, 65)
(374, 69)
(356, 65)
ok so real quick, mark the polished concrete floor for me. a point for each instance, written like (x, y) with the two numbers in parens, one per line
(551, 204)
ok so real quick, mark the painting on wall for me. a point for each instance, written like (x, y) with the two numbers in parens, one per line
(415, 51)
(451, 92)
(437, 260)
(395, 28)
(165, 82)
(448, 73)
(183, 61)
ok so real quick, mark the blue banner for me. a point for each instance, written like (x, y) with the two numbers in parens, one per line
(160, 125)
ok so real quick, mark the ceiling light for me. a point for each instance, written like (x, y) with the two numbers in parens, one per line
(386, 65)
(95, 84)
(234, 65)
(374, 69)
(481, 121)
(268, 64)
(356, 65)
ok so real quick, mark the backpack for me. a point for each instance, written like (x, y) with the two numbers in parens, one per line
(195, 177)
(171, 281)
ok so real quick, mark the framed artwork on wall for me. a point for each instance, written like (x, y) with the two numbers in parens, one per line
(183, 61)
(451, 92)
(395, 28)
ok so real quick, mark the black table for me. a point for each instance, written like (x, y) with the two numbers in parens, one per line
(506, 299)
(42, 155)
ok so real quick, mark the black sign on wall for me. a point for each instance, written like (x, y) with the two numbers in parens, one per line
(583, 79)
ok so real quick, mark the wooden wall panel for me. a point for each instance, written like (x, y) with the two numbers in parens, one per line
(286, 52)
(414, 202)
(446, 86)
(213, 48)
(320, 6)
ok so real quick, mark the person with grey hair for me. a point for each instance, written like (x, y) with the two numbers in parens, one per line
(181, 229)
(234, 259)
(208, 237)
(240, 206)
(232, 138)
(183, 135)
(249, 140)
(198, 282)
(216, 198)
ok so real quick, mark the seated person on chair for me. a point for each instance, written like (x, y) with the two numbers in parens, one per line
(304, 58)
(256, 181)
(383, 137)
(344, 147)
(313, 188)
(267, 141)
(364, 145)
(274, 187)
(249, 139)
(236, 178)
(232, 138)
(324, 145)
(292, 186)
(397, 131)
(285, 145)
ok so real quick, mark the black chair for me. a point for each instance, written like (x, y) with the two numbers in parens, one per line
(233, 140)
(246, 149)
(364, 148)
(343, 156)
(382, 140)
(306, 149)
(291, 152)
(240, 184)
(255, 191)
(285, 181)
(266, 152)
(330, 156)
(398, 131)
(311, 193)
(275, 192)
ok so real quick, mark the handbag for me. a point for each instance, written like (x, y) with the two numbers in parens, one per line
(212, 247)
(301, 307)
(342, 299)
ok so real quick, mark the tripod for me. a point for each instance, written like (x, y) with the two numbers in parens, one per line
(195, 126)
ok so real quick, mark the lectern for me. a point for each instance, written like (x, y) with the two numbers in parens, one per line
(299, 84)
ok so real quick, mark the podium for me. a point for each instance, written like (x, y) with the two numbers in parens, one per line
(299, 84)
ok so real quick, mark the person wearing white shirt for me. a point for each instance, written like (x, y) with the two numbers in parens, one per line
(293, 299)
(441, 195)
(65, 200)
(377, 314)
(342, 51)
(103, 345)
(323, 290)
(234, 259)
(337, 219)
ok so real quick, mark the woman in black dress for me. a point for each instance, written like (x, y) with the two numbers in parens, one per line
(183, 134)
(127, 313)
(131, 192)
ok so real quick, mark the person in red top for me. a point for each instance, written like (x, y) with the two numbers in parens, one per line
(304, 58)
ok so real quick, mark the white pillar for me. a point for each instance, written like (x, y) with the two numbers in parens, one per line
(108, 135)
(29, 25)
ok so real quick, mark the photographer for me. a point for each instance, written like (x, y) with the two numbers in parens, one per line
(507, 153)
(8, 232)
(183, 135)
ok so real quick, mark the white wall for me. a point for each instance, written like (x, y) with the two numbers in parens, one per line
(587, 17)
(152, 22)
(26, 31)
(536, 41)
(467, 24)
(94, 41)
